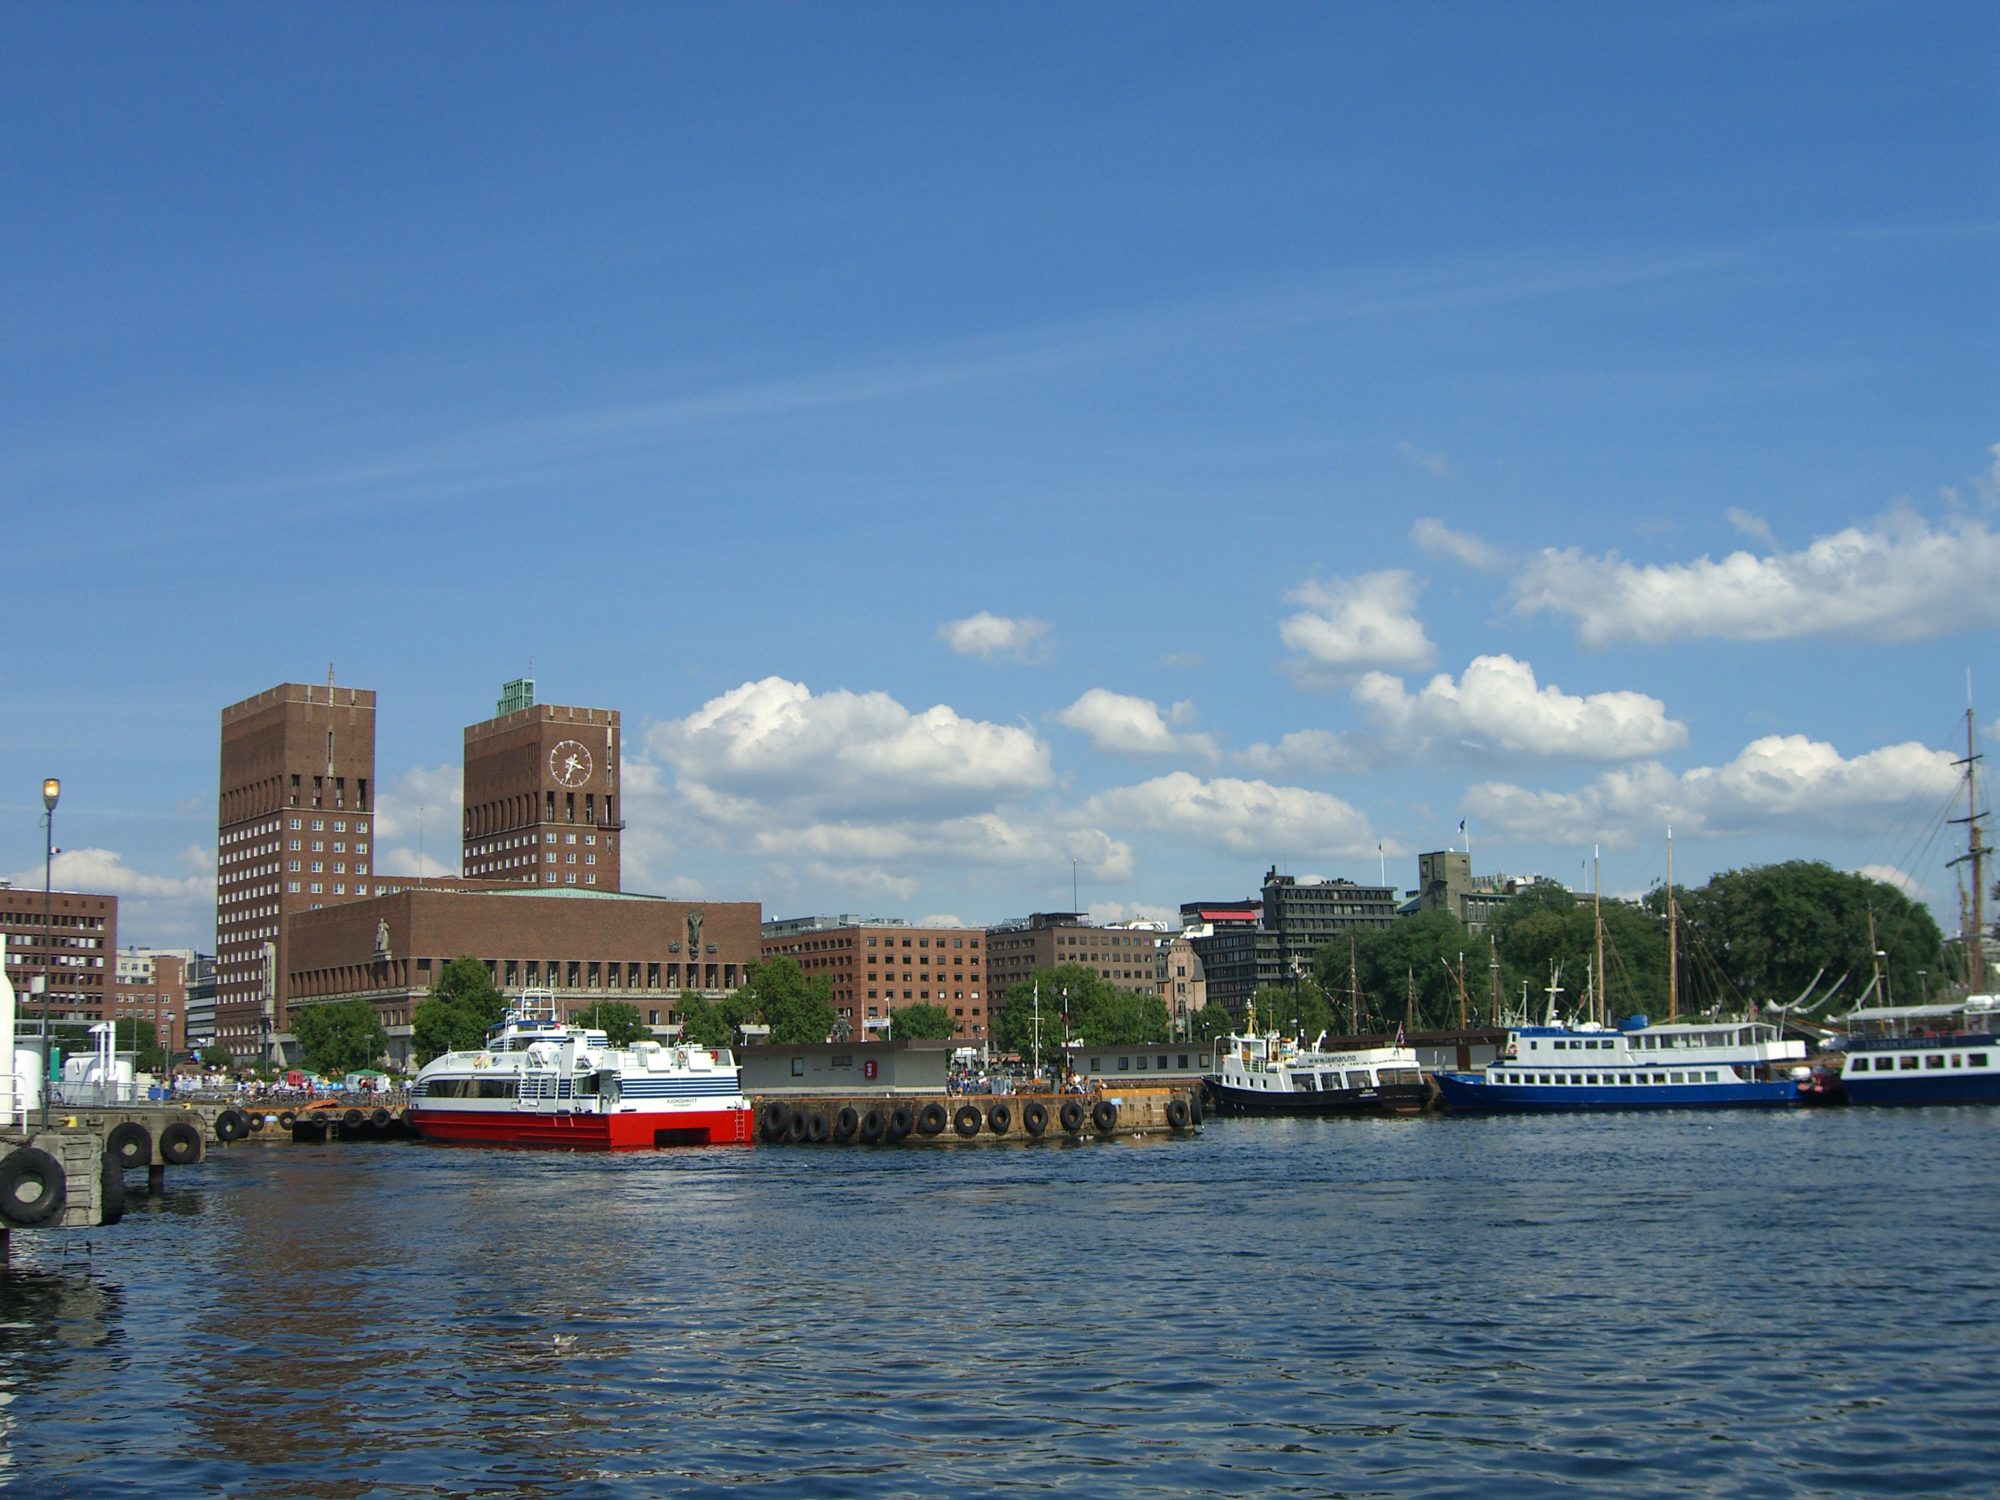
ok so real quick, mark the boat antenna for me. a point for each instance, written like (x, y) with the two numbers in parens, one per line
(1975, 854)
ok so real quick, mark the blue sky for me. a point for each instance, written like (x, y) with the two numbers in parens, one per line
(971, 444)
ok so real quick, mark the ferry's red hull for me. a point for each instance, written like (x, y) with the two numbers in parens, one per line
(627, 1130)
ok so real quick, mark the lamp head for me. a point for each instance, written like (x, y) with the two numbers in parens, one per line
(51, 790)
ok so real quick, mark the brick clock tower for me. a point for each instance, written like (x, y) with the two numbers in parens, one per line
(541, 795)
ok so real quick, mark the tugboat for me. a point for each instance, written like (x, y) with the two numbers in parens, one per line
(541, 1082)
(1263, 1074)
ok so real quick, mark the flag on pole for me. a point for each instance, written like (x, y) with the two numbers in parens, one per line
(1401, 1040)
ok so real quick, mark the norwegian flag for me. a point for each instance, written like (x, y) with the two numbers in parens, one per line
(1401, 1040)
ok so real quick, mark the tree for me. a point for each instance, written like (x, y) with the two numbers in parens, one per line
(456, 1014)
(1097, 1012)
(138, 1037)
(216, 1055)
(620, 1023)
(796, 1007)
(1210, 1022)
(339, 1037)
(923, 1022)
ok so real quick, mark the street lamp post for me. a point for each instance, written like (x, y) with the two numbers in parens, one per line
(51, 793)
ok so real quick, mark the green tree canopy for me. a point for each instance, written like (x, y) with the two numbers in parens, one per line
(923, 1021)
(139, 1037)
(710, 1023)
(798, 1008)
(621, 1023)
(455, 1015)
(1098, 1013)
(1210, 1022)
(338, 1037)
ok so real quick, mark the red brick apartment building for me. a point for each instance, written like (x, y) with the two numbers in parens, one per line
(879, 966)
(72, 947)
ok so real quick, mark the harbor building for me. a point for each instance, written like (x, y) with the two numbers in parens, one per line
(67, 940)
(151, 985)
(294, 832)
(586, 946)
(1273, 941)
(1187, 983)
(1445, 882)
(878, 966)
(541, 794)
(1127, 956)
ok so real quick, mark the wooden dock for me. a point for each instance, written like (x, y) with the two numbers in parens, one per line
(972, 1119)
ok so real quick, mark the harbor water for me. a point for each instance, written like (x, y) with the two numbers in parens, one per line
(1766, 1303)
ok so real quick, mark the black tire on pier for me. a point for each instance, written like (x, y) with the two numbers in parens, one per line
(846, 1123)
(231, 1125)
(774, 1120)
(968, 1120)
(795, 1126)
(999, 1119)
(379, 1118)
(902, 1120)
(180, 1144)
(872, 1125)
(33, 1187)
(286, 1119)
(351, 1120)
(816, 1126)
(1034, 1117)
(130, 1144)
(256, 1122)
(1198, 1106)
(930, 1121)
(1104, 1116)
(1072, 1118)
(111, 1189)
(1177, 1114)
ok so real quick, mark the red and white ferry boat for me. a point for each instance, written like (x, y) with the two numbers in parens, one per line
(541, 1082)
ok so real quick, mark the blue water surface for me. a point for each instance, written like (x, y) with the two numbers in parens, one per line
(1791, 1303)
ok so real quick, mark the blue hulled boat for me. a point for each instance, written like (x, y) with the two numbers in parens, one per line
(1701, 1065)
(1923, 1054)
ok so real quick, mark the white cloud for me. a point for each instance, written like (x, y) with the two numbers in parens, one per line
(1497, 705)
(418, 822)
(1354, 625)
(1898, 578)
(103, 872)
(1777, 782)
(774, 744)
(988, 635)
(1434, 464)
(1438, 539)
(1305, 752)
(1902, 880)
(1751, 525)
(1254, 819)
(1134, 726)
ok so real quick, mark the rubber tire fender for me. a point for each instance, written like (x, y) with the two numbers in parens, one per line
(256, 1122)
(999, 1119)
(1072, 1117)
(130, 1144)
(816, 1126)
(795, 1127)
(846, 1123)
(968, 1120)
(33, 1168)
(930, 1120)
(1104, 1116)
(774, 1120)
(1034, 1117)
(180, 1144)
(352, 1119)
(1198, 1106)
(1177, 1114)
(286, 1119)
(231, 1125)
(902, 1120)
(872, 1125)
(379, 1119)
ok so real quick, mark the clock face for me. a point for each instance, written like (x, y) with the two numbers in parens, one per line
(569, 763)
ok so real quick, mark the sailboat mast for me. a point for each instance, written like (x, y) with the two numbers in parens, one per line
(1673, 940)
(1975, 855)
(1597, 924)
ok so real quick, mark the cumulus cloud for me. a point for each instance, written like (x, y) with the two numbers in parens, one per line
(774, 743)
(1355, 625)
(1125, 725)
(103, 872)
(418, 822)
(1253, 819)
(1438, 539)
(1900, 577)
(1305, 752)
(1498, 706)
(989, 636)
(1779, 781)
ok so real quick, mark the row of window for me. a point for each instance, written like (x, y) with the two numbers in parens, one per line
(1694, 1075)
(1907, 1062)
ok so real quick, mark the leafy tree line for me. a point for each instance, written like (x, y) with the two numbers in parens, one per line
(1763, 935)
(1095, 1011)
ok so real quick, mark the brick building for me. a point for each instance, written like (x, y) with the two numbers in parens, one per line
(1129, 957)
(71, 944)
(877, 967)
(294, 832)
(541, 794)
(587, 946)
(152, 985)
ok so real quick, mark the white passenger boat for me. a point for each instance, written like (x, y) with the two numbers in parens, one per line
(541, 1082)
(1923, 1054)
(1698, 1065)
(1263, 1074)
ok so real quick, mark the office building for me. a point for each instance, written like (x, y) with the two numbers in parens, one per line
(541, 795)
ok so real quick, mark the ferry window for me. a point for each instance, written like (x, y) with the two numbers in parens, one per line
(1124, 1064)
(1183, 1062)
(798, 1067)
(1975, 1059)
(1559, 1046)
(1935, 1060)
(1709, 1076)
(1907, 1064)
(1096, 1065)
(1591, 1078)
